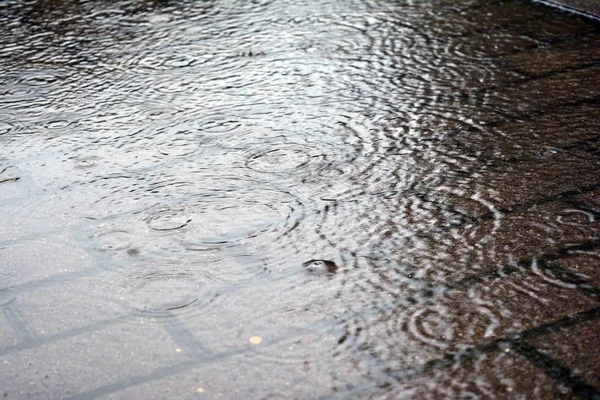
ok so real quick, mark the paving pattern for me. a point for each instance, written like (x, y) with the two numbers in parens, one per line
(441, 293)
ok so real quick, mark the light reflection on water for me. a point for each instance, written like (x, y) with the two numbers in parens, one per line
(372, 185)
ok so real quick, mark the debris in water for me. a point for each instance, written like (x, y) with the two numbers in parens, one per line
(321, 266)
(255, 340)
(132, 252)
(14, 179)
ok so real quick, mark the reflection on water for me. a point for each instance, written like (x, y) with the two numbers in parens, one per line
(386, 191)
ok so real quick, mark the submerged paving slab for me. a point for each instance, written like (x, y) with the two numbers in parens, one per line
(71, 365)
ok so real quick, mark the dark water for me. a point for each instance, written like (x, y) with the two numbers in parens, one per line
(400, 198)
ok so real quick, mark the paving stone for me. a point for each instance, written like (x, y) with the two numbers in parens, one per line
(545, 93)
(556, 27)
(454, 19)
(492, 244)
(69, 366)
(286, 369)
(30, 217)
(583, 263)
(300, 302)
(565, 130)
(495, 43)
(542, 229)
(571, 54)
(428, 295)
(41, 258)
(532, 181)
(503, 373)
(575, 348)
(69, 303)
(457, 320)
(531, 297)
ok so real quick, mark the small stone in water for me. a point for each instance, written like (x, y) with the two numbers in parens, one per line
(321, 266)
(132, 252)
(255, 340)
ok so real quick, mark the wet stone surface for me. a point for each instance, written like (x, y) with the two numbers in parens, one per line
(298, 199)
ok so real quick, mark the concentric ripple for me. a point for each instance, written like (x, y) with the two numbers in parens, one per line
(168, 219)
(407, 335)
(6, 127)
(228, 217)
(217, 215)
(165, 290)
(440, 327)
(375, 188)
(167, 61)
(288, 159)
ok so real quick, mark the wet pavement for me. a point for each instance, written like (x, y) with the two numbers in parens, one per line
(368, 199)
(589, 8)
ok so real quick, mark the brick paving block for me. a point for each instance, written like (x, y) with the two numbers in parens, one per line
(584, 263)
(494, 43)
(499, 374)
(542, 94)
(414, 333)
(293, 368)
(71, 192)
(542, 229)
(402, 333)
(69, 366)
(41, 258)
(539, 180)
(469, 20)
(486, 240)
(559, 57)
(297, 302)
(70, 304)
(302, 302)
(576, 348)
(533, 139)
(527, 297)
(30, 216)
(555, 26)
(459, 78)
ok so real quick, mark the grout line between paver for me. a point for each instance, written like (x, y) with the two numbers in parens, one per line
(511, 341)
(34, 342)
(19, 326)
(443, 362)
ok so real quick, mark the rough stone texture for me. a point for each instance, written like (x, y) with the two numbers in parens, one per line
(576, 348)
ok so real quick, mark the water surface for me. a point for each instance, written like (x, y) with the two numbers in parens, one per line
(400, 198)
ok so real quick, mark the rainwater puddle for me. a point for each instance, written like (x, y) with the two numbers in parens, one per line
(399, 199)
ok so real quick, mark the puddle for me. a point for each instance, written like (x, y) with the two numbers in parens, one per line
(385, 183)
